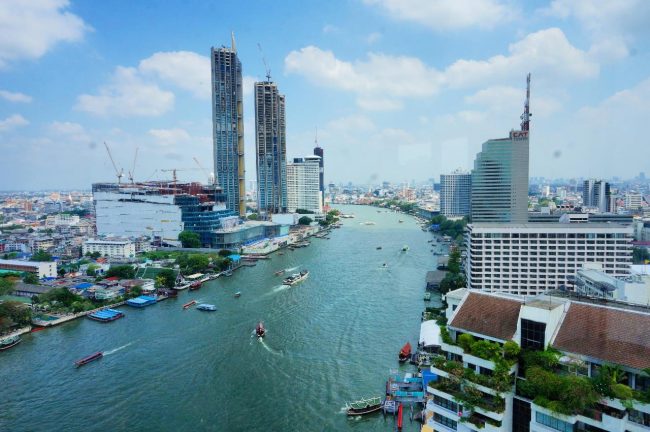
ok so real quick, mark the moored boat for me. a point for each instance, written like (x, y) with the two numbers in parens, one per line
(189, 304)
(195, 285)
(260, 331)
(90, 358)
(207, 307)
(364, 406)
(9, 342)
(405, 353)
(296, 277)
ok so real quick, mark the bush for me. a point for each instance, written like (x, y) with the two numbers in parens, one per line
(511, 350)
(621, 391)
(465, 341)
(486, 350)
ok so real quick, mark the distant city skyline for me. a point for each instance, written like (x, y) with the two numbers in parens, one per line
(397, 89)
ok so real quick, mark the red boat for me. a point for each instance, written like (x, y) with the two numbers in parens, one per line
(90, 358)
(260, 331)
(405, 352)
(188, 304)
(195, 285)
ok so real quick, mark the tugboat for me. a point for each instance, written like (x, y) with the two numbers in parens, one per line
(405, 353)
(9, 342)
(364, 406)
(296, 277)
(260, 331)
(88, 359)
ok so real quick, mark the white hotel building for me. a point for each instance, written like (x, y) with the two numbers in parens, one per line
(528, 259)
(303, 185)
(114, 248)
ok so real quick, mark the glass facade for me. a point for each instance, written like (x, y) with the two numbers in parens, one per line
(451, 424)
(445, 403)
(553, 422)
(532, 334)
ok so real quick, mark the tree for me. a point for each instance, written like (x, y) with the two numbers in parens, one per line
(225, 253)
(30, 278)
(93, 255)
(305, 220)
(166, 279)
(193, 263)
(42, 256)
(14, 313)
(640, 255)
(304, 211)
(189, 239)
(92, 270)
(61, 271)
(6, 286)
(121, 271)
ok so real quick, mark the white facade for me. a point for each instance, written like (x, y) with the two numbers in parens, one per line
(41, 269)
(127, 214)
(455, 194)
(303, 185)
(110, 248)
(631, 289)
(633, 201)
(529, 259)
(62, 219)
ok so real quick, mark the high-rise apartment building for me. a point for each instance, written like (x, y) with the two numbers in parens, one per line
(596, 194)
(500, 175)
(303, 187)
(455, 194)
(271, 146)
(633, 200)
(318, 151)
(531, 258)
(228, 126)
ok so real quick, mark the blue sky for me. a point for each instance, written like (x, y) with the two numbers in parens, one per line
(400, 90)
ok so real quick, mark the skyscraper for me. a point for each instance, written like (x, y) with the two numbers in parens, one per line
(271, 146)
(500, 176)
(455, 194)
(303, 188)
(596, 193)
(318, 151)
(228, 126)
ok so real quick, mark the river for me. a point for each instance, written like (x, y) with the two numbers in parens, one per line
(331, 339)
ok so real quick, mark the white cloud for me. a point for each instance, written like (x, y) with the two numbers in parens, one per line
(28, 29)
(127, 95)
(373, 37)
(448, 14)
(185, 69)
(13, 122)
(172, 136)
(379, 104)
(69, 130)
(15, 96)
(506, 98)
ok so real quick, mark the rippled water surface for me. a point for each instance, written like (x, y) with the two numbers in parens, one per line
(331, 339)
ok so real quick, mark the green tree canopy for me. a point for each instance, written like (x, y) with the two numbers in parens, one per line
(30, 278)
(166, 279)
(14, 313)
(189, 239)
(121, 271)
(6, 286)
(304, 211)
(305, 220)
(640, 255)
(193, 263)
(42, 256)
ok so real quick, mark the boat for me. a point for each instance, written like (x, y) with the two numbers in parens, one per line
(295, 278)
(238, 294)
(9, 342)
(195, 285)
(378, 247)
(260, 331)
(405, 248)
(207, 307)
(401, 221)
(399, 417)
(364, 406)
(189, 304)
(405, 353)
(90, 358)
(427, 296)
(279, 272)
(106, 315)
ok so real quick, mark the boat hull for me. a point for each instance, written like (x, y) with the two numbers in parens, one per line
(355, 412)
(89, 359)
(11, 345)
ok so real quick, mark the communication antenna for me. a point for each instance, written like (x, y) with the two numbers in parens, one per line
(266, 66)
(525, 117)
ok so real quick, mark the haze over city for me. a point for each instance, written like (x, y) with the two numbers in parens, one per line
(398, 90)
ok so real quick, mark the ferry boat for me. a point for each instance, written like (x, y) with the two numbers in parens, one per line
(90, 358)
(364, 406)
(295, 278)
(405, 353)
(189, 304)
(207, 307)
(9, 342)
(195, 285)
(238, 294)
(260, 331)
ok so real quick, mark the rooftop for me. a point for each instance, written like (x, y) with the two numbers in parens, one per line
(545, 226)
(489, 315)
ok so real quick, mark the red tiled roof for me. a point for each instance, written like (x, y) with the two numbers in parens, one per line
(613, 335)
(489, 315)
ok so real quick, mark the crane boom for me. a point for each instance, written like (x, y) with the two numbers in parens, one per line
(118, 173)
(133, 166)
(266, 66)
(203, 169)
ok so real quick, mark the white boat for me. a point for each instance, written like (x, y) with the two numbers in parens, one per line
(295, 278)
(207, 307)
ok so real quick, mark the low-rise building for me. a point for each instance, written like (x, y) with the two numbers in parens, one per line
(593, 282)
(40, 269)
(118, 248)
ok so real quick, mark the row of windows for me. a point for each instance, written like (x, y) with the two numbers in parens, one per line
(553, 423)
(447, 404)
(451, 424)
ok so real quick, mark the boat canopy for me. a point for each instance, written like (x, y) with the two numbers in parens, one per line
(194, 276)
(429, 334)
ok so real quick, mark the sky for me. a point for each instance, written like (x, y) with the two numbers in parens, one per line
(399, 90)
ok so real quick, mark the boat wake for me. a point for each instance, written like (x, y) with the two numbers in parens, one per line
(292, 269)
(268, 348)
(109, 352)
(280, 288)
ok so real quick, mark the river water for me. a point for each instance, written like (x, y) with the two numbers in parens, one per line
(332, 338)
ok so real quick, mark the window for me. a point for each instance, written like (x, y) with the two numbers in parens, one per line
(639, 417)
(532, 334)
(446, 404)
(521, 416)
(553, 422)
(445, 421)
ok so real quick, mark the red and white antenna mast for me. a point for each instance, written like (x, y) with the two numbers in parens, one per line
(525, 117)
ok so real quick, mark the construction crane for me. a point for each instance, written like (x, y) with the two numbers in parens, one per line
(266, 66)
(118, 173)
(211, 178)
(133, 166)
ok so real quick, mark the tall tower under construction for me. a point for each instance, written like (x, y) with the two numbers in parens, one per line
(228, 126)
